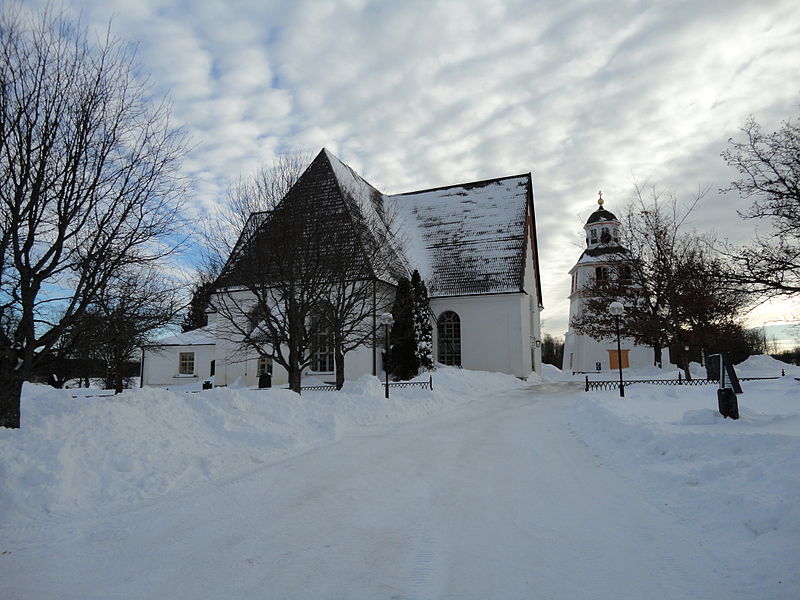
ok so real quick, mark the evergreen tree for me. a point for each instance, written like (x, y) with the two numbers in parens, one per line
(402, 357)
(197, 317)
(423, 330)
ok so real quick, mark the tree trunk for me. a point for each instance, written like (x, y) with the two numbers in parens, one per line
(295, 379)
(657, 356)
(118, 379)
(338, 357)
(10, 393)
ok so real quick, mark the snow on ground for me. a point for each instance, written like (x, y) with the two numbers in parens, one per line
(97, 490)
(735, 481)
(115, 451)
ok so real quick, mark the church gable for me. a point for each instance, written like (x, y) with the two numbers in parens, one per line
(319, 224)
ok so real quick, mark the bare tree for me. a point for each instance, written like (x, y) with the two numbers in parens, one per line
(362, 263)
(769, 165)
(258, 193)
(133, 305)
(270, 290)
(89, 183)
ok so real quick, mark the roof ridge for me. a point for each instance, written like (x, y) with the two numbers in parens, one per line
(467, 183)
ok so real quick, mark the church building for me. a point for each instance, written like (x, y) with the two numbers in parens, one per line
(583, 354)
(474, 245)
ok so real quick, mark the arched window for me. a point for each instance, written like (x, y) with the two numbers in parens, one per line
(449, 334)
(593, 235)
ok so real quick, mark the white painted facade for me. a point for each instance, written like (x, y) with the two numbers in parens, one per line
(161, 362)
(498, 332)
(583, 354)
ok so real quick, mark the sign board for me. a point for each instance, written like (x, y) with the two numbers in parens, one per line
(719, 367)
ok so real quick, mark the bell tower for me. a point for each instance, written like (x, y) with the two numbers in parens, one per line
(583, 354)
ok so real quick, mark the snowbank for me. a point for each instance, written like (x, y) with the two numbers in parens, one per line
(736, 481)
(109, 452)
(762, 365)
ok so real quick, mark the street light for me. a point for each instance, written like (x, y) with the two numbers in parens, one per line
(617, 310)
(386, 320)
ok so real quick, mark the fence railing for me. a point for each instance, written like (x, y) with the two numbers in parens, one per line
(425, 385)
(610, 384)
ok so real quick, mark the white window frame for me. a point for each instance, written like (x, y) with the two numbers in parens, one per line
(186, 364)
(323, 353)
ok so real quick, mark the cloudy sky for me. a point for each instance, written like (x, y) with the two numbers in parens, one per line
(416, 94)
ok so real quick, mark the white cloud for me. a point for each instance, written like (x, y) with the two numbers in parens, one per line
(422, 93)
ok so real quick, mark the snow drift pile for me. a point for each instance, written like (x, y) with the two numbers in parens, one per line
(110, 452)
(736, 481)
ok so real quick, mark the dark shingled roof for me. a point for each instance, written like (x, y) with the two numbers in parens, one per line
(329, 207)
(601, 214)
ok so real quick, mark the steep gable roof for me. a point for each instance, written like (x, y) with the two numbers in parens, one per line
(340, 213)
(469, 238)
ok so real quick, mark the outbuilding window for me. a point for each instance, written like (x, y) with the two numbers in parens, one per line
(186, 363)
(264, 365)
(449, 338)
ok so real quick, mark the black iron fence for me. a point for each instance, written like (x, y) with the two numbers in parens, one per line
(611, 384)
(425, 385)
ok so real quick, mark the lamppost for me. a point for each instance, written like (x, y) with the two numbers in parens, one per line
(386, 320)
(617, 310)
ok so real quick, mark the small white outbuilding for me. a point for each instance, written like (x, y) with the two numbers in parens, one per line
(180, 359)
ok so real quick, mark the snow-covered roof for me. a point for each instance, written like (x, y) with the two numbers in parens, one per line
(197, 337)
(468, 238)
(603, 254)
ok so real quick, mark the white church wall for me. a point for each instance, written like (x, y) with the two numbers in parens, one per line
(495, 331)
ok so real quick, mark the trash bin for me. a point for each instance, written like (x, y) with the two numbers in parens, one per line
(728, 404)
(264, 381)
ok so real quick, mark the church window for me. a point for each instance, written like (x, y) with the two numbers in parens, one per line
(449, 338)
(605, 236)
(323, 352)
(601, 274)
(593, 235)
(625, 274)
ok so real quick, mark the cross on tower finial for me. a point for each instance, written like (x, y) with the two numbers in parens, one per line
(600, 199)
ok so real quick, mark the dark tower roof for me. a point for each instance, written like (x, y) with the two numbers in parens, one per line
(601, 214)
